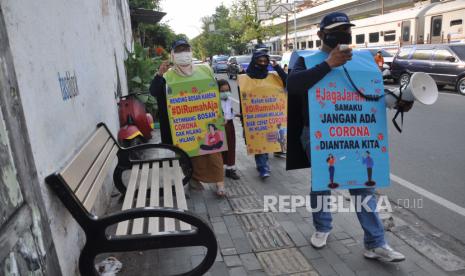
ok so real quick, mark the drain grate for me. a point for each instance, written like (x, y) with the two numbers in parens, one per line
(247, 204)
(269, 239)
(307, 273)
(284, 261)
(257, 221)
(235, 190)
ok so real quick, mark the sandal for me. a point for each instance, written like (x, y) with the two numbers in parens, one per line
(220, 192)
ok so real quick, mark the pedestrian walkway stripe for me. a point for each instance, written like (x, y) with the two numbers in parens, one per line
(269, 238)
(258, 221)
(439, 200)
(285, 262)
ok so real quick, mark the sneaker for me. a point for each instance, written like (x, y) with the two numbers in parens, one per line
(384, 253)
(265, 175)
(232, 174)
(318, 239)
(280, 154)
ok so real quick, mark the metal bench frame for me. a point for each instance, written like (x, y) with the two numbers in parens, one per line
(98, 241)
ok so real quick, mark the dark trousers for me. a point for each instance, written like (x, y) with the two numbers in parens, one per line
(331, 173)
(229, 156)
(370, 173)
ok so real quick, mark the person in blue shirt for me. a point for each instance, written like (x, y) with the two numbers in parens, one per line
(369, 163)
(335, 30)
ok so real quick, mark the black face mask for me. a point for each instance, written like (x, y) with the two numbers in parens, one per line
(335, 38)
(261, 67)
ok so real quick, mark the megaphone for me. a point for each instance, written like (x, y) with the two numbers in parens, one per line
(421, 88)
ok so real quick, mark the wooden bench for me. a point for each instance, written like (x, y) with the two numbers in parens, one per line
(154, 212)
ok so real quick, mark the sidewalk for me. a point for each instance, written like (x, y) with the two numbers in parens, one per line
(252, 242)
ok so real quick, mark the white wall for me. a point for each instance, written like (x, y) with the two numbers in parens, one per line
(48, 37)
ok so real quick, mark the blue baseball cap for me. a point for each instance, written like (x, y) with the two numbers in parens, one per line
(333, 20)
(179, 42)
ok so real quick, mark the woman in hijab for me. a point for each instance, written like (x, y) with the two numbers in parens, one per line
(208, 168)
(258, 69)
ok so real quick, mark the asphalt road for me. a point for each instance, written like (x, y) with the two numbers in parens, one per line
(430, 153)
(428, 162)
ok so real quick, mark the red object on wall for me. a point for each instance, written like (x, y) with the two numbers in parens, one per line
(132, 112)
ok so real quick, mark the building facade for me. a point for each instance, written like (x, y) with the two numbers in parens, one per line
(62, 69)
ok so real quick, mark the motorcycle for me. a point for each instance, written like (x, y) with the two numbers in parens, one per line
(136, 124)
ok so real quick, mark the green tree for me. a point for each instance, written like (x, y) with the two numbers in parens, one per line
(245, 21)
(145, 4)
(159, 34)
(233, 29)
(217, 40)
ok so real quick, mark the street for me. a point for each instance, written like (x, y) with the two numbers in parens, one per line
(428, 154)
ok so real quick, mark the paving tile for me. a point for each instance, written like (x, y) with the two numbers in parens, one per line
(231, 221)
(220, 228)
(330, 256)
(257, 221)
(232, 260)
(256, 273)
(430, 267)
(338, 247)
(242, 245)
(200, 207)
(349, 242)
(409, 266)
(224, 241)
(250, 261)
(237, 271)
(310, 252)
(218, 258)
(236, 232)
(284, 261)
(216, 219)
(420, 273)
(341, 235)
(228, 251)
(268, 239)
(247, 204)
(294, 233)
(239, 190)
(307, 273)
(343, 270)
(322, 267)
(218, 268)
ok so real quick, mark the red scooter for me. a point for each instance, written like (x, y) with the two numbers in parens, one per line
(136, 124)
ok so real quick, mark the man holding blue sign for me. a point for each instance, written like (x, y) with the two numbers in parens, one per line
(343, 120)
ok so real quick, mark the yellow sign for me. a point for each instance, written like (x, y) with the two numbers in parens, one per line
(194, 109)
(264, 111)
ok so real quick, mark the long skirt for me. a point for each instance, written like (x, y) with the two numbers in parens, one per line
(208, 168)
(229, 156)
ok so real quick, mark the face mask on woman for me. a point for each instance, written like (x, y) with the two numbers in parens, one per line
(182, 58)
(225, 95)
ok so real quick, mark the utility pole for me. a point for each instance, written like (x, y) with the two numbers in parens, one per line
(295, 28)
(382, 6)
(287, 29)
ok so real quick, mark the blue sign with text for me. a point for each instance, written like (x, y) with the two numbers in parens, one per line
(349, 145)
